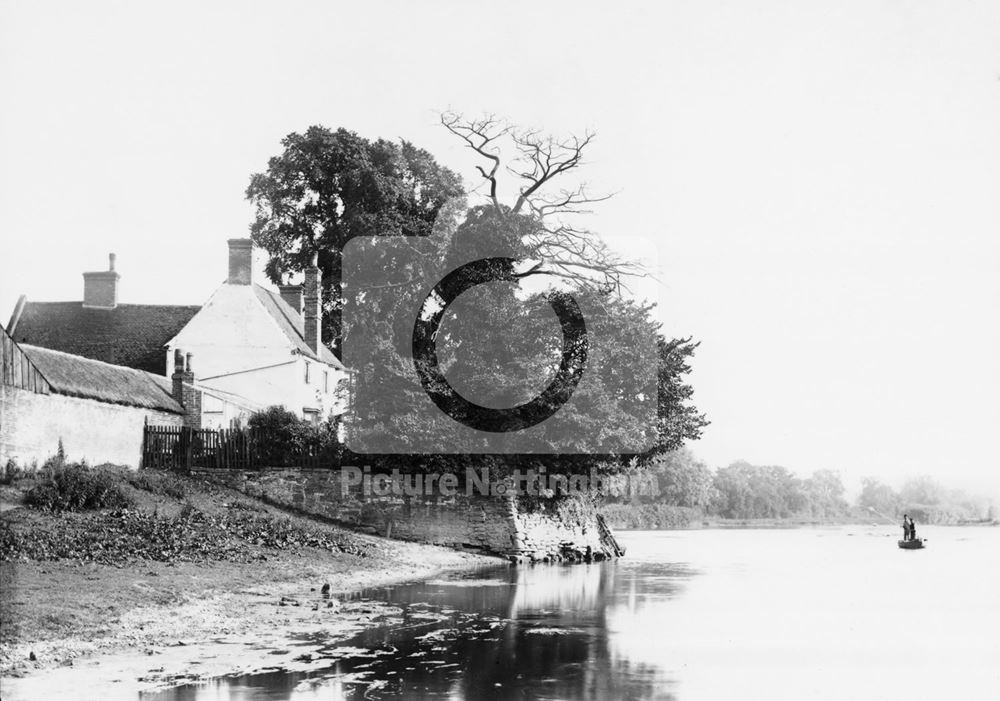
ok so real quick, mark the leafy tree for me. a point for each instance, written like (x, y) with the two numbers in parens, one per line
(498, 341)
(545, 206)
(824, 494)
(683, 479)
(878, 497)
(329, 186)
(922, 490)
(678, 419)
(758, 491)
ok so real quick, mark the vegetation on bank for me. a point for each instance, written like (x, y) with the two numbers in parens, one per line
(117, 516)
(690, 494)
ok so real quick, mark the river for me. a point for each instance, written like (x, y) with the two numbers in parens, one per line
(830, 613)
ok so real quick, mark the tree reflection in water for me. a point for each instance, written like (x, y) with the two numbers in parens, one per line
(535, 632)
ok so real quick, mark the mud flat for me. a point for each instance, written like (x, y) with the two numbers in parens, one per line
(122, 624)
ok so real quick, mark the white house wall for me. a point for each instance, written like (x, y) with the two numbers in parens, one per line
(231, 332)
(285, 385)
(238, 347)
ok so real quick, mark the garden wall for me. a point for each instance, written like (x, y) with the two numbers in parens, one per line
(32, 424)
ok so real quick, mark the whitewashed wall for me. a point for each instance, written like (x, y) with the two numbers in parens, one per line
(237, 347)
(31, 426)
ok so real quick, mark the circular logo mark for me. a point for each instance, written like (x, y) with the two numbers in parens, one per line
(425, 359)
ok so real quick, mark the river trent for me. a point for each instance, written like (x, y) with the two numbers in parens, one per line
(832, 613)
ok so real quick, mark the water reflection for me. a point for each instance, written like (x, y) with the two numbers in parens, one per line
(539, 633)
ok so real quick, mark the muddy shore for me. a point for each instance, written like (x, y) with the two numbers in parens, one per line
(158, 625)
(127, 623)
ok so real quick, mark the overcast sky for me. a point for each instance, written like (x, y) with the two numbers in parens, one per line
(821, 179)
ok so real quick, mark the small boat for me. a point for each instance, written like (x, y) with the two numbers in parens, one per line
(911, 544)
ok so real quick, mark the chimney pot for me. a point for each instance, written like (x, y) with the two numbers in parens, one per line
(111, 262)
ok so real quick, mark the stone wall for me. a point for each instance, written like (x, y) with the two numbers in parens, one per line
(548, 530)
(31, 426)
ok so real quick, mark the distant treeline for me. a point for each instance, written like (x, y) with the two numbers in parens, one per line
(689, 491)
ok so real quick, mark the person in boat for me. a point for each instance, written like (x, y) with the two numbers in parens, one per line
(913, 530)
(906, 527)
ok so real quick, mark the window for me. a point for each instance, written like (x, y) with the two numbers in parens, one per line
(326, 382)
(307, 372)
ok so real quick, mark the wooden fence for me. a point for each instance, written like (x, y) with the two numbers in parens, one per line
(179, 448)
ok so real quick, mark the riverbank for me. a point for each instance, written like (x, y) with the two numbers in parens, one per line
(190, 581)
(652, 517)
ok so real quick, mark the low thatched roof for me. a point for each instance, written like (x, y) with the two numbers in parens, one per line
(76, 376)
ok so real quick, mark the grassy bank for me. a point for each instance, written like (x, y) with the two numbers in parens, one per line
(154, 560)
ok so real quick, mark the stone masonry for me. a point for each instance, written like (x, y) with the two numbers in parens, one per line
(550, 531)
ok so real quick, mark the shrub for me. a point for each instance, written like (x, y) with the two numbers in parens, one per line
(281, 437)
(278, 433)
(12, 471)
(76, 487)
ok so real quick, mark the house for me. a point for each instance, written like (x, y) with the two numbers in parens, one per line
(253, 347)
(262, 345)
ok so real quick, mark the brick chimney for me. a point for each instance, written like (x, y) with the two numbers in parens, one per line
(292, 294)
(312, 314)
(184, 391)
(100, 289)
(240, 262)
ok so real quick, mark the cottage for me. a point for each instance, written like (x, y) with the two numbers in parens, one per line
(253, 347)
(262, 345)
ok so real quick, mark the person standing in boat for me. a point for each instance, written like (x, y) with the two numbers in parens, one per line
(913, 530)
(906, 527)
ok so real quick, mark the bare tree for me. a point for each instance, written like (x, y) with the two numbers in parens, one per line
(540, 166)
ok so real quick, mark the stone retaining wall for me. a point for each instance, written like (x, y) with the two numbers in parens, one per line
(547, 530)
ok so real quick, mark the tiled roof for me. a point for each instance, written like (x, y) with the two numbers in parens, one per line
(293, 326)
(133, 335)
(92, 379)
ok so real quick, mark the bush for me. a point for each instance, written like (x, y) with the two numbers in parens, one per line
(281, 438)
(12, 471)
(76, 487)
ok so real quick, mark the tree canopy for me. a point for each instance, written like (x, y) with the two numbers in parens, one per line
(328, 186)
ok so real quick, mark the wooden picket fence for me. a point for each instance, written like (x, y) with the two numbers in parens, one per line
(181, 448)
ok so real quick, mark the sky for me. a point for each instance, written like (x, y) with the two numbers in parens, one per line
(819, 181)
